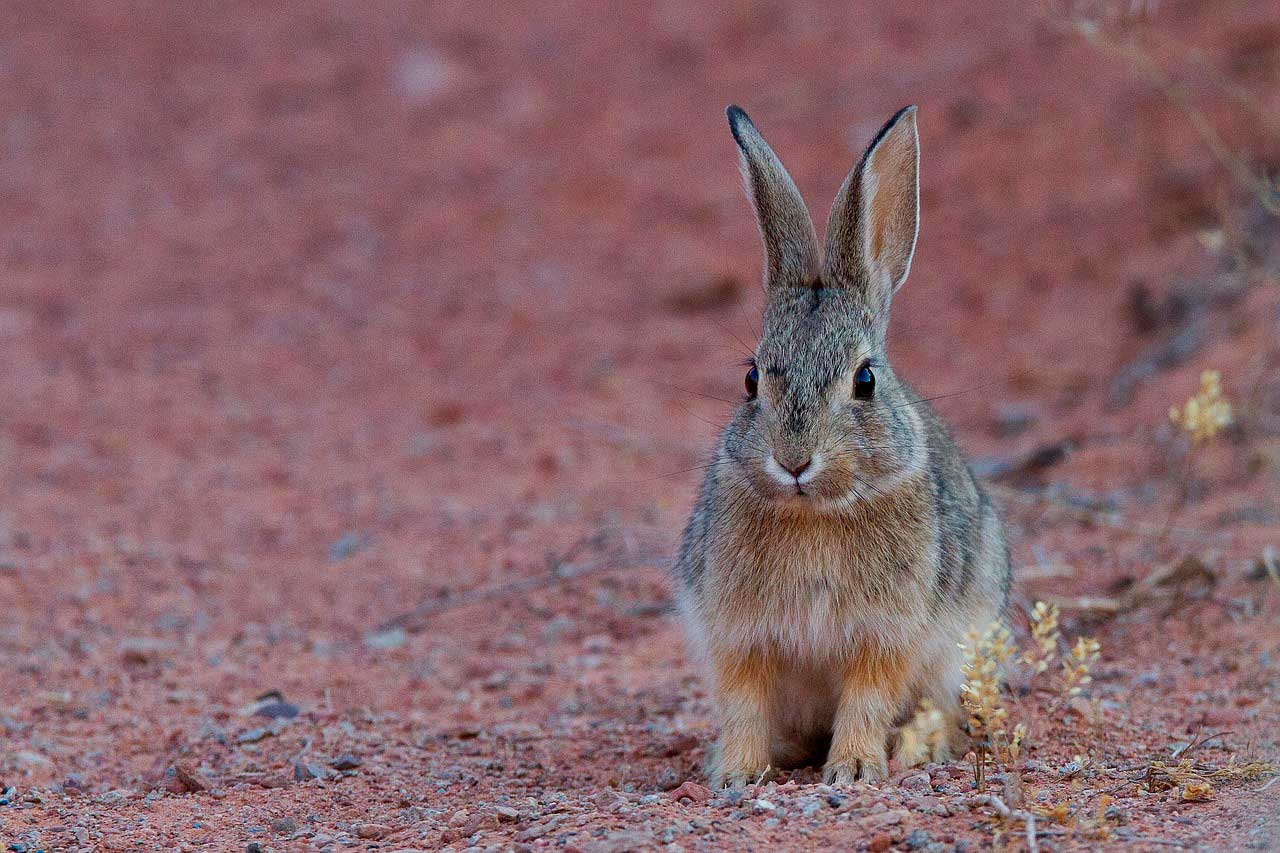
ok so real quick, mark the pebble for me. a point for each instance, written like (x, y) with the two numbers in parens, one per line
(692, 790)
(934, 805)
(539, 829)
(372, 831)
(916, 781)
(1013, 418)
(810, 806)
(883, 819)
(345, 546)
(284, 826)
(190, 778)
(277, 710)
(345, 762)
(506, 814)
(762, 805)
(304, 772)
(730, 796)
(879, 842)
(918, 839)
(142, 650)
(392, 638)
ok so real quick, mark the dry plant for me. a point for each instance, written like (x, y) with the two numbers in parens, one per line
(1201, 418)
(1045, 634)
(922, 737)
(1206, 413)
(985, 653)
(1076, 667)
(1192, 781)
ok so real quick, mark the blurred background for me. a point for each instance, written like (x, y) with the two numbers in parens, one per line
(367, 351)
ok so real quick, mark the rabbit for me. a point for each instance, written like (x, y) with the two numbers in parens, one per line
(840, 548)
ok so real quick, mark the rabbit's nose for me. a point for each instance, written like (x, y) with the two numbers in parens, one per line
(795, 469)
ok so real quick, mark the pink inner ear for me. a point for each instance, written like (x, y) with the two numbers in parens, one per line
(893, 165)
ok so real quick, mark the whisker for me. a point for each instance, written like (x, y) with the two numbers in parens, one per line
(944, 396)
(691, 391)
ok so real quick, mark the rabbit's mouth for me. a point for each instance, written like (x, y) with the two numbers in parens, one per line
(794, 481)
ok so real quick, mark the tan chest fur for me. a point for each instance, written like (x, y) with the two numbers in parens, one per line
(813, 591)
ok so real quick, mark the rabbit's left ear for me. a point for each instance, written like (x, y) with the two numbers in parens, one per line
(871, 233)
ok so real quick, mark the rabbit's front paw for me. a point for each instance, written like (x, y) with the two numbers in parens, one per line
(846, 772)
(741, 778)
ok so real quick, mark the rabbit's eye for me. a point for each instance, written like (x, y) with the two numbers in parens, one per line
(864, 383)
(753, 382)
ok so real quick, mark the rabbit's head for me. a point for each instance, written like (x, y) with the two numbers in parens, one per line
(826, 422)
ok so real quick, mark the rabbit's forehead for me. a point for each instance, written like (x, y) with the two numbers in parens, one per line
(811, 336)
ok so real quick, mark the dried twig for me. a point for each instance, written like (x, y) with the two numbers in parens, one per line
(1028, 819)
(560, 569)
(1258, 184)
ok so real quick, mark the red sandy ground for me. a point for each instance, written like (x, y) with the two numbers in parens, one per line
(311, 315)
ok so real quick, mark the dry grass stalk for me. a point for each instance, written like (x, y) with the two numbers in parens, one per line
(1045, 634)
(1076, 668)
(985, 653)
(921, 738)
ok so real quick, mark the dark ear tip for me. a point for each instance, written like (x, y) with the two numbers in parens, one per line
(737, 116)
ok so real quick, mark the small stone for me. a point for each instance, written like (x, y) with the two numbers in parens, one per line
(916, 781)
(421, 76)
(253, 735)
(506, 814)
(539, 829)
(763, 806)
(730, 796)
(883, 819)
(189, 778)
(284, 826)
(668, 779)
(305, 772)
(345, 546)
(918, 839)
(345, 762)
(392, 638)
(609, 800)
(274, 780)
(372, 831)
(1012, 418)
(692, 790)
(934, 805)
(880, 842)
(277, 710)
(622, 841)
(140, 651)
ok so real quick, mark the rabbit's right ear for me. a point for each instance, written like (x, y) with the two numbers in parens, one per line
(790, 243)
